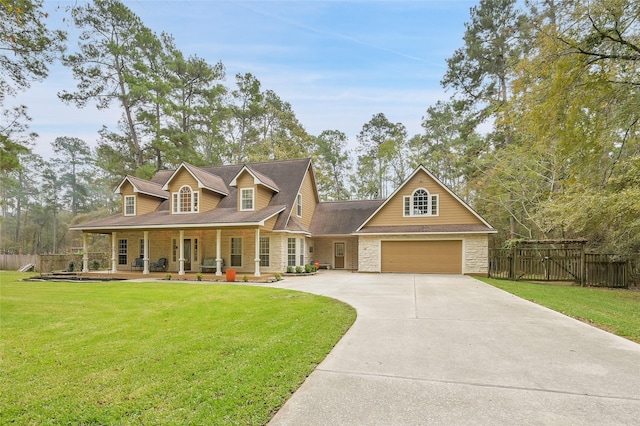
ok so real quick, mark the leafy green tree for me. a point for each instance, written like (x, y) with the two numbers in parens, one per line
(106, 67)
(74, 157)
(383, 144)
(332, 164)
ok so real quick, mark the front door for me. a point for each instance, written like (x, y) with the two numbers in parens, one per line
(338, 257)
(187, 255)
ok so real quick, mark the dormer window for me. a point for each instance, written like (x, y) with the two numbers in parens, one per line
(185, 200)
(421, 203)
(246, 199)
(299, 205)
(129, 205)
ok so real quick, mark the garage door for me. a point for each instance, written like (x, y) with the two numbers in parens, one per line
(431, 257)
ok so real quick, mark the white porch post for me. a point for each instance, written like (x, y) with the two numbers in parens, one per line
(145, 269)
(218, 254)
(181, 259)
(114, 247)
(85, 253)
(257, 251)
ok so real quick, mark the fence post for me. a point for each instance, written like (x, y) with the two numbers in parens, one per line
(583, 267)
(512, 264)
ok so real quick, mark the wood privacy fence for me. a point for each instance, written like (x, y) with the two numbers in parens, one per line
(565, 264)
(53, 262)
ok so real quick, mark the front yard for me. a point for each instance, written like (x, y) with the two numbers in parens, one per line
(157, 353)
(617, 311)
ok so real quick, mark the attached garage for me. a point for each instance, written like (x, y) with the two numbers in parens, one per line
(429, 257)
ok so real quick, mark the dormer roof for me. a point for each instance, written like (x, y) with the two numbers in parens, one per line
(205, 179)
(143, 187)
(258, 178)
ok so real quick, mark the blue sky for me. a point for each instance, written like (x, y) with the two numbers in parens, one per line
(336, 62)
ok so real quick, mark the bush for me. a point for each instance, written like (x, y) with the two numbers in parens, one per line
(289, 269)
(168, 277)
(71, 266)
(199, 277)
(277, 276)
(299, 269)
(307, 268)
(245, 278)
(95, 264)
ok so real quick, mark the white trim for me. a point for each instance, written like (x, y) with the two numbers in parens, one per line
(299, 205)
(364, 234)
(201, 185)
(137, 190)
(437, 181)
(176, 201)
(135, 202)
(256, 179)
(253, 199)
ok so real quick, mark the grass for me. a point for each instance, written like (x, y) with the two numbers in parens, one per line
(617, 311)
(157, 353)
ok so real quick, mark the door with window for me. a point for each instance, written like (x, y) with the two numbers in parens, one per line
(187, 255)
(338, 255)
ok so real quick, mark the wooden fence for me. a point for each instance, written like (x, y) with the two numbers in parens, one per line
(565, 264)
(53, 262)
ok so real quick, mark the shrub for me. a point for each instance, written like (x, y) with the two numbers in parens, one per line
(307, 268)
(168, 277)
(71, 266)
(299, 269)
(277, 276)
(199, 277)
(289, 269)
(95, 264)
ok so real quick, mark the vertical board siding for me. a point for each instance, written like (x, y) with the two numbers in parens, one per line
(550, 264)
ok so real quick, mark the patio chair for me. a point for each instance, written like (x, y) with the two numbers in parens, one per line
(159, 266)
(138, 264)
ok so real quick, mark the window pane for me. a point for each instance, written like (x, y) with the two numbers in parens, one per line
(291, 252)
(185, 199)
(434, 205)
(236, 251)
(129, 205)
(142, 248)
(301, 248)
(122, 252)
(420, 202)
(246, 199)
(407, 206)
(264, 251)
(299, 205)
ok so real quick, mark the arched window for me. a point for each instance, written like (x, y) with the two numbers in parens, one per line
(185, 200)
(421, 203)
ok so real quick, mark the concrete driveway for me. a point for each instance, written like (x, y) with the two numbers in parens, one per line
(438, 349)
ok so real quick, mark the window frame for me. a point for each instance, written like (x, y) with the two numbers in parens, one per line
(428, 203)
(299, 205)
(251, 199)
(180, 206)
(291, 251)
(123, 249)
(233, 256)
(265, 248)
(131, 198)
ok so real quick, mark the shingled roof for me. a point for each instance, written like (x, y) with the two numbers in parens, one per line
(341, 217)
(144, 187)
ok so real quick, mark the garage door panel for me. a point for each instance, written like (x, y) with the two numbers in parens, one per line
(435, 257)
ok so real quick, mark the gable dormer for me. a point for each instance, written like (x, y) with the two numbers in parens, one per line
(140, 196)
(423, 200)
(194, 190)
(254, 189)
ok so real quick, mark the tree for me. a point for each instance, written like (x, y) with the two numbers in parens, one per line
(27, 46)
(74, 156)
(332, 164)
(383, 144)
(106, 67)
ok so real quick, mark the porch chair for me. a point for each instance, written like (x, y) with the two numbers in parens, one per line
(159, 266)
(138, 264)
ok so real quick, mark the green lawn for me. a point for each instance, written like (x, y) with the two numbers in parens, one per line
(617, 311)
(157, 353)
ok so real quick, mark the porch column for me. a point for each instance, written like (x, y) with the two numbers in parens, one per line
(257, 251)
(114, 246)
(145, 260)
(181, 259)
(218, 254)
(85, 253)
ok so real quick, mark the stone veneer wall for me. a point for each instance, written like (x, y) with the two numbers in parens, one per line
(475, 247)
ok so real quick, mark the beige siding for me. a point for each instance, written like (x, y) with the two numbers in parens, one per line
(263, 197)
(146, 204)
(209, 200)
(323, 251)
(309, 200)
(269, 224)
(245, 180)
(450, 210)
(183, 178)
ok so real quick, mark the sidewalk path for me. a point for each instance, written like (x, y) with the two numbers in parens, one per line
(451, 350)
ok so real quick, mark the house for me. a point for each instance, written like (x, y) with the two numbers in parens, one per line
(262, 217)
